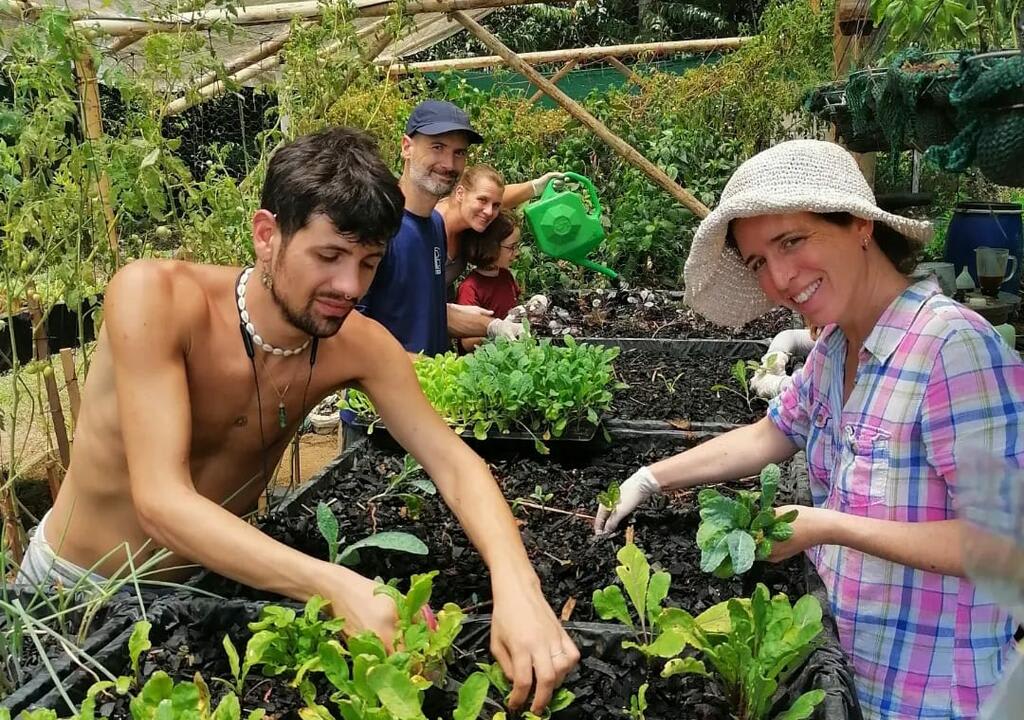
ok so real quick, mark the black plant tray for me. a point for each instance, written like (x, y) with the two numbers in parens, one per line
(41, 690)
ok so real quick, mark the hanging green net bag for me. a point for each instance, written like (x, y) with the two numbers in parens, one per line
(913, 108)
(864, 88)
(989, 101)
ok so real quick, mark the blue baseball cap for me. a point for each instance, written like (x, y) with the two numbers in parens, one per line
(434, 117)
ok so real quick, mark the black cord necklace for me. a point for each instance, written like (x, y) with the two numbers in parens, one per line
(250, 351)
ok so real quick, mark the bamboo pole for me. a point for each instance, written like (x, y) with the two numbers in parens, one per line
(628, 152)
(562, 72)
(281, 12)
(12, 526)
(255, 69)
(578, 54)
(53, 475)
(89, 95)
(124, 41)
(42, 352)
(67, 361)
(622, 68)
(252, 57)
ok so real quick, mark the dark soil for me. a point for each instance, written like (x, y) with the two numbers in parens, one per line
(667, 387)
(645, 314)
(571, 563)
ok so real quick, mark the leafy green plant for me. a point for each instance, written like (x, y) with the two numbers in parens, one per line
(495, 675)
(404, 482)
(656, 630)
(609, 498)
(530, 384)
(943, 24)
(733, 533)
(766, 640)
(286, 641)
(638, 704)
(741, 372)
(327, 524)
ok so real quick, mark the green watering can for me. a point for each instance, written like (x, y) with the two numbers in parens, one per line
(563, 227)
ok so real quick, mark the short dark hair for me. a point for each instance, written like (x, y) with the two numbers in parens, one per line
(337, 173)
(483, 248)
(901, 251)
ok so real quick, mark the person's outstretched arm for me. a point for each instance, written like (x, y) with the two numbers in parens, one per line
(526, 637)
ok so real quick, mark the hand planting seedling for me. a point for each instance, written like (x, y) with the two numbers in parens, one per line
(496, 678)
(734, 533)
(327, 524)
(765, 640)
(609, 499)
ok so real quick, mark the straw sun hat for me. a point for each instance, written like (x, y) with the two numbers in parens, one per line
(794, 176)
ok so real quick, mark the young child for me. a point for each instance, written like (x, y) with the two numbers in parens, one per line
(490, 284)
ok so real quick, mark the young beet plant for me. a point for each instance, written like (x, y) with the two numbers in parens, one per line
(496, 678)
(733, 533)
(765, 641)
(327, 524)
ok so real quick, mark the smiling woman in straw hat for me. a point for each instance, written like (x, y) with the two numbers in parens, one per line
(900, 383)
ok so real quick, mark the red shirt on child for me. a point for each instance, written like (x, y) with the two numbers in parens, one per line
(499, 293)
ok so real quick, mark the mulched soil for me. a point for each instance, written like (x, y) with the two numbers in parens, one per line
(645, 314)
(666, 387)
(571, 563)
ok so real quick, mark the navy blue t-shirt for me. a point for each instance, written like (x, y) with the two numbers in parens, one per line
(407, 295)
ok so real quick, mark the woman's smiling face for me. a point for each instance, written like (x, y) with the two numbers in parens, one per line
(805, 262)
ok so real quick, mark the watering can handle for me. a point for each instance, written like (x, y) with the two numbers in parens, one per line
(591, 190)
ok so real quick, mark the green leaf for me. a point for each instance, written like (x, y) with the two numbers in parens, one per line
(741, 550)
(668, 644)
(424, 486)
(472, 696)
(770, 476)
(389, 540)
(657, 591)
(681, 666)
(156, 690)
(233, 662)
(780, 531)
(609, 604)
(711, 557)
(333, 663)
(138, 643)
(635, 573)
(396, 692)
(327, 524)
(803, 707)
(150, 158)
(228, 708)
(367, 643)
(256, 648)
(560, 700)
(788, 517)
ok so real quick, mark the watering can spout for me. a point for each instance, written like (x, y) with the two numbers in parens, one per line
(564, 228)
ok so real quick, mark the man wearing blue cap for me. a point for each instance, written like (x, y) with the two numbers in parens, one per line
(408, 294)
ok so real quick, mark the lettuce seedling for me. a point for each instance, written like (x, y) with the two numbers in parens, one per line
(609, 499)
(766, 640)
(161, 698)
(638, 704)
(392, 540)
(733, 533)
(284, 641)
(741, 373)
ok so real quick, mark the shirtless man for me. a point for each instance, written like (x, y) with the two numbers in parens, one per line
(171, 445)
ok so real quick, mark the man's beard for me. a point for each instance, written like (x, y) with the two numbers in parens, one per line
(306, 321)
(427, 182)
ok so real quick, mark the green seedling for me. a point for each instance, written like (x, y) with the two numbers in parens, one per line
(764, 641)
(395, 541)
(638, 704)
(609, 499)
(495, 675)
(540, 496)
(404, 483)
(741, 372)
(734, 533)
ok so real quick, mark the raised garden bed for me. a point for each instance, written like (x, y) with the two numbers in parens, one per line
(659, 314)
(570, 561)
(672, 380)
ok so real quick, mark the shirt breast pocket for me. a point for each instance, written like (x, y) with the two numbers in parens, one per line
(863, 472)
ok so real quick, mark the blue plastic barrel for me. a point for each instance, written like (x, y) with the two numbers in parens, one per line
(976, 224)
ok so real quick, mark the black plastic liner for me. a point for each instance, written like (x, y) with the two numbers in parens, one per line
(108, 624)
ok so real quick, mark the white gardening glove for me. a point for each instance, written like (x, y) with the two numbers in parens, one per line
(540, 183)
(504, 329)
(632, 493)
(769, 386)
(770, 376)
(516, 314)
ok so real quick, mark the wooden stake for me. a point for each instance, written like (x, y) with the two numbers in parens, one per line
(562, 72)
(627, 151)
(578, 54)
(296, 464)
(67, 361)
(12, 525)
(89, 96)
(42, 352)
(53, 476)
(622, 68)
(282, 12)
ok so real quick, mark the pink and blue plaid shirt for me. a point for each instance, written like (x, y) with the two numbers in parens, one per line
(934, 379)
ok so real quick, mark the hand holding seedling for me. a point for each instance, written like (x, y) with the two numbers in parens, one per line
(631, 494)
(811, 527)
(354, 598)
